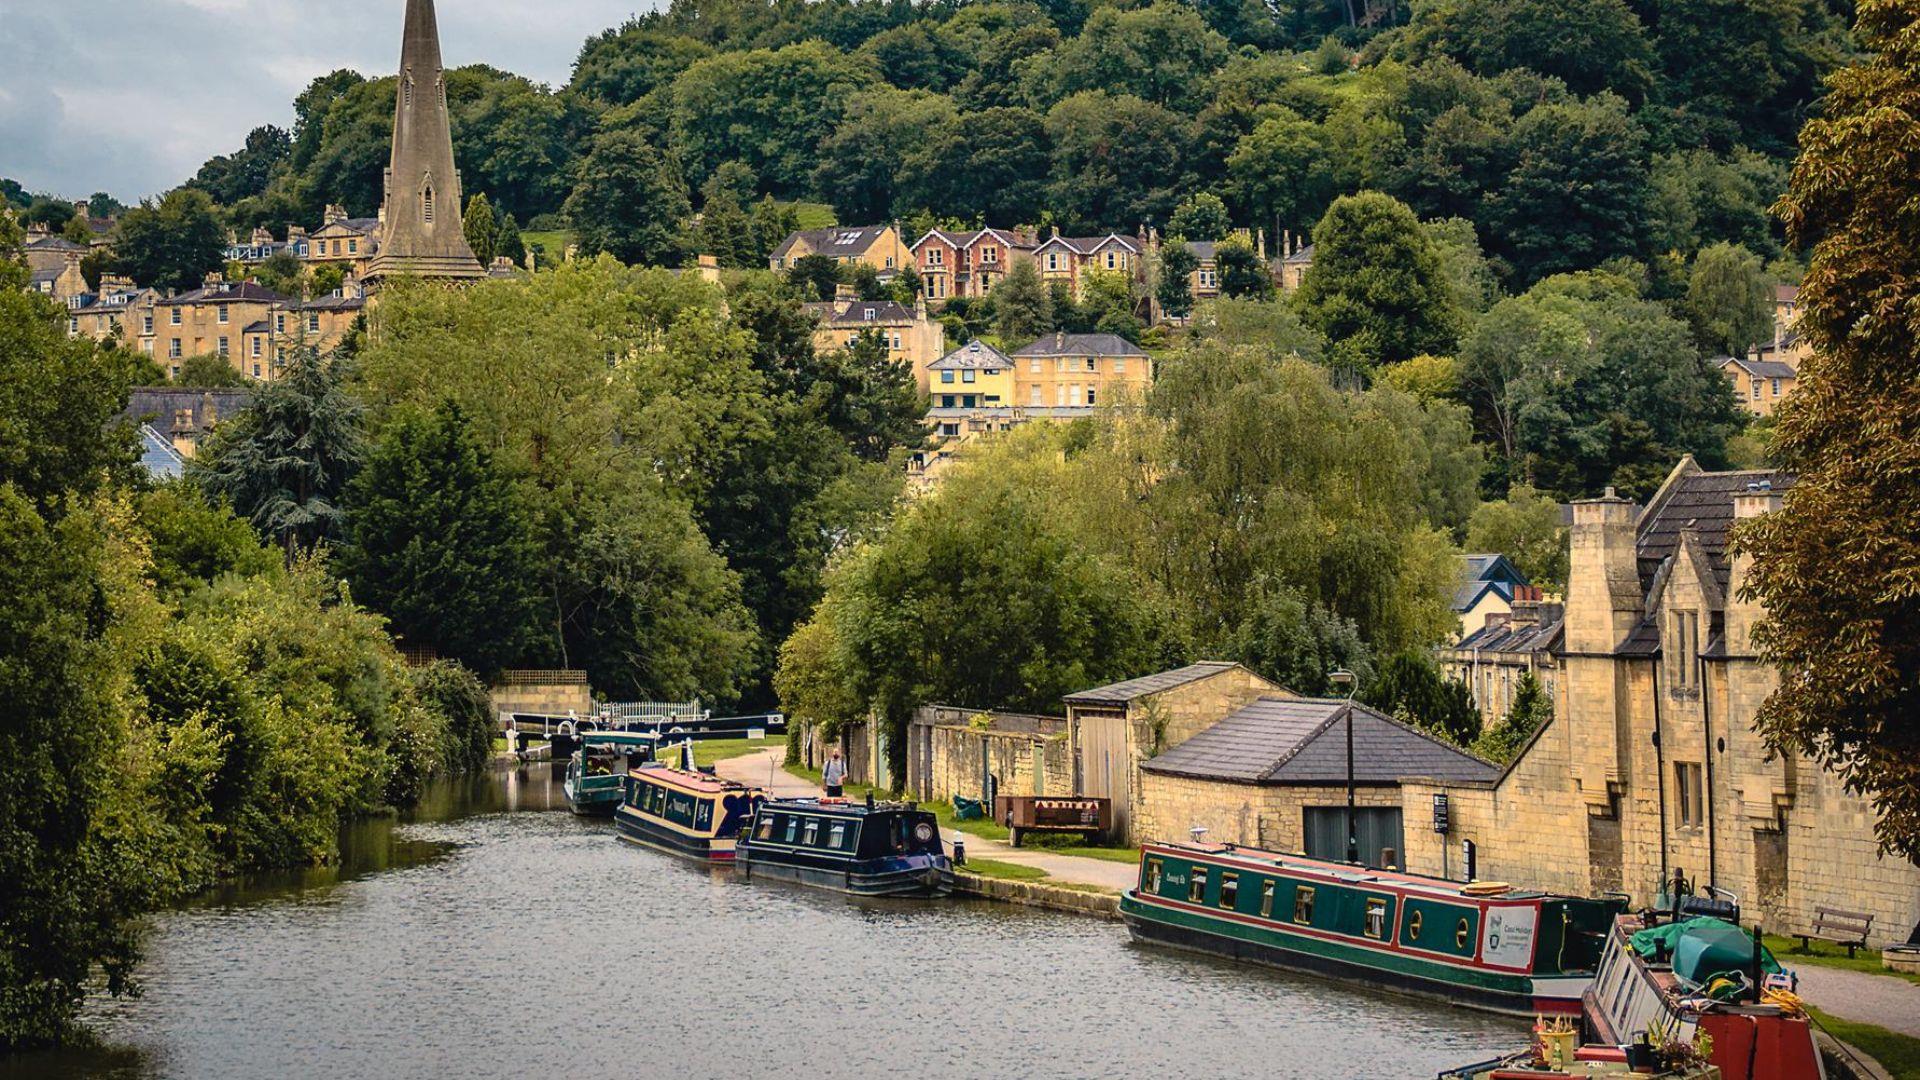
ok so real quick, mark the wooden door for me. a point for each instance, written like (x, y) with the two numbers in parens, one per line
(1105, 766)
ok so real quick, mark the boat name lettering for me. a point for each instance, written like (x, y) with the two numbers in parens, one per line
(1508, 937)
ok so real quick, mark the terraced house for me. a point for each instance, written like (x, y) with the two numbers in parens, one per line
(245, 323)
(967, 264)
(1067, 258)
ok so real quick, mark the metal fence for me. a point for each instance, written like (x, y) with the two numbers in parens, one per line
(652, 710)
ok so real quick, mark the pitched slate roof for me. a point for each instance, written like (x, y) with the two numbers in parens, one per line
(966, 239)
(1765, 369)
(53, 243)
(158, 405)
(1483, 572)
(1087, 245)
(361, 225)
(157, 455)
(1303, 255)
(1303, 741)
(1202, 249)
(1122, 692)
(840, 241)
(331, 302)
(1064, 344)
(863, 313)
(1703, 500)
(974, 354)
(227, 292)
(1509, 635)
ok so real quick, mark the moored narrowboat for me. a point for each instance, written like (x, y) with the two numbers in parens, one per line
(867, 849)
(1679, 978)
(598, 766)
(692, 814)
(1480, 944)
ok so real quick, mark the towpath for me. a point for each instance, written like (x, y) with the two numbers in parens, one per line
(763, 768)
(1892, 1003)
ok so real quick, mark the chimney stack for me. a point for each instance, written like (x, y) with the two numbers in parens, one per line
(1603, 581)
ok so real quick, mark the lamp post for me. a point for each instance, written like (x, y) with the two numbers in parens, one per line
(1343, 677)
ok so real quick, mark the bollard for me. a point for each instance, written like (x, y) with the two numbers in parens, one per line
(959, 852)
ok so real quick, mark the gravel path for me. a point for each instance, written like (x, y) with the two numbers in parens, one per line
(1892, 1003)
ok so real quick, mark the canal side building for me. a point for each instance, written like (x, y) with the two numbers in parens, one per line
(1650, 763)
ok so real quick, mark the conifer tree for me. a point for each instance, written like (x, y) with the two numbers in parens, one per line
(480, 227)
(1023, 307)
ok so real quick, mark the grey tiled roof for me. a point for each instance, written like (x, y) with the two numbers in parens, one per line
(1542, 636)
(1060, 343)
(1766, 369)
(1703, 500)
(841, 241)
(158, 405)
(1303, 741)
(234, 292)
(157, 454)
(863, 313)
(974, 354)
(1122, 692)
(1087, 245)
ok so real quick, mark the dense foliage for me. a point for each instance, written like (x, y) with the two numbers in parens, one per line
(1836, 567)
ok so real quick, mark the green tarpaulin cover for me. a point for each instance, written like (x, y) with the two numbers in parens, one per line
(1703, 948)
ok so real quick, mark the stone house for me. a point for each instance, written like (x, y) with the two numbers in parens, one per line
(1650, 763)
(911, 336)
(261, 246)
(1273, 774)
(1063, 369)
(348, 241)
(1113, 729)
(1759, 383)
(879, 246)
(183, 415)
(1488, 585)
(1296, 255)
(1064, 259)
(967, 264)
(1492, 660)
(248, 324)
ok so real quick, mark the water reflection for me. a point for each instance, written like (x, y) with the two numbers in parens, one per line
(475, 939)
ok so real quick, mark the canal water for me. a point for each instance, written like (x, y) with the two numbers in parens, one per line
(493, 934)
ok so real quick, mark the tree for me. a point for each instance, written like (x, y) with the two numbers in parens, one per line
(1174, 286)
(1164, 53)
(481, 227)
(283, 273)
(620, 66)
(1281, 171)
(1243, 275)
(1023, 308)
(209, 369)
(1529, 712)
(768, 108)
(1116, 160)
(1411, 688)
(1005, 176)
(1376, 287)
(246, 172)
(173, 244)
(1831, 565)
(629, 201)
(1591, 45)
(815, 277)
(508, 244)
(284, 462)
(1296, 643)
(1729, 300)
(1525, 527)
(439, 540)
(1579, 191)
(60, 398)
(77, 230)
(1201, 216)
(862, 168)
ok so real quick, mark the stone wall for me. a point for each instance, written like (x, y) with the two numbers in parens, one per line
(1266, 816)
(1026, 754)
(554, 693)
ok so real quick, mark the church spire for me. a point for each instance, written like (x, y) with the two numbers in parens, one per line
(420, 231)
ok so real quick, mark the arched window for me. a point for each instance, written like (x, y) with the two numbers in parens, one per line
(426, 204)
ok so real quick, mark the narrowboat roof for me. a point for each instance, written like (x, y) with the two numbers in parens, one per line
(1342, 873)
(618, 738)
(697, 782)
(841, 806)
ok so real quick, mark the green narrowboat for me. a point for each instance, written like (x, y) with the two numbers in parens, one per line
(598, 768)
(1481, 944)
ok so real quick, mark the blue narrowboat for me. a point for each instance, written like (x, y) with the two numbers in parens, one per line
(600, 761)
(1481, 944)
(688, 813)
(867, 849)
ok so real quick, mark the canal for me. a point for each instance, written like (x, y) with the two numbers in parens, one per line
(492, 934)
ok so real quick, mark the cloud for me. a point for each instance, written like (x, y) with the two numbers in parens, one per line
(130, 96)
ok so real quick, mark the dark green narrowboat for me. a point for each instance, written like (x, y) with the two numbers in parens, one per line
(1480, 944)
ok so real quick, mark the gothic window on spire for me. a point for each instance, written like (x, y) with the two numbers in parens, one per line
(426, 204)
(406, 89)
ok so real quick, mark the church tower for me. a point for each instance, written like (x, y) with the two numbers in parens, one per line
(420, 233)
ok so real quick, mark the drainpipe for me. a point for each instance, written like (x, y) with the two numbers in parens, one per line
(1660, 768)
(1706, 727)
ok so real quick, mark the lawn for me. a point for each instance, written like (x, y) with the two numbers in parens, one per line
(994, 868)
(708, 751)
(553, 243)
(813, 215)
(1826, 954)
(1899, 1054)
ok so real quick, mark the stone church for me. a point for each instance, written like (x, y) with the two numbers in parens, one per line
(1650, 763)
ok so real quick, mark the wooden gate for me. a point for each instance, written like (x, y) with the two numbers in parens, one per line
(1105, 766)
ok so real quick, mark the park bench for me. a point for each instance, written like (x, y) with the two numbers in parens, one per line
(1848, 928)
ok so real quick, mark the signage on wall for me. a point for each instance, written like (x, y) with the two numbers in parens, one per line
(1440, 820)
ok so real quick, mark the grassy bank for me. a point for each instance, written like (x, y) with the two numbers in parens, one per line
(1827, 954)
(1898, 1054)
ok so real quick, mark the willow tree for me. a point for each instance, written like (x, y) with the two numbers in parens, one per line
(1838, 566)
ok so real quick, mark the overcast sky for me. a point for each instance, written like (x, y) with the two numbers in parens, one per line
(130, 96)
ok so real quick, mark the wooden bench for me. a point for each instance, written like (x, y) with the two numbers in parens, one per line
(1848, 928)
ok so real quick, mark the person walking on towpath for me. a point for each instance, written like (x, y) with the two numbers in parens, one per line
(834, 774)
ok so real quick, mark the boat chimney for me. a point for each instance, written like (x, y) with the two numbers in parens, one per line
(869, 800)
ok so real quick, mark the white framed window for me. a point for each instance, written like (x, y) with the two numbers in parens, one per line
(313, 322)
(969, 375)
(222, 345)
(256, 344)
(146, 323)
(1776, 388)
(1062, 395)
(173, 348)
(1089, 395)
(174, 316)
(1689, 792)
(1119, 365)
(1034, 366)
(220, 314)
(1034, 397)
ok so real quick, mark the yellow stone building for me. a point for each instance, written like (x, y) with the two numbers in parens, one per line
(1061, 370)
(879, 246)
(911, 336)
(249, 325)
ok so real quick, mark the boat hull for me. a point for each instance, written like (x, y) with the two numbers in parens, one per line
(928, 880)
(637, 830)
(592, 800)
(1514, 995)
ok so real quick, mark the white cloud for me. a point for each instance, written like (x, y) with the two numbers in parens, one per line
(131, 96)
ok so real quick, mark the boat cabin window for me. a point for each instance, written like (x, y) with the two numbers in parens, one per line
(812, 834)
(1413, 927)
(793, 828)
(1266, 899)
(703, 814)
(1229, 890)
(1376, 924)
(1197, 885)
(764, 830)
(1151, 881)
(837, 835)
(1303, 904)
(1460, 934)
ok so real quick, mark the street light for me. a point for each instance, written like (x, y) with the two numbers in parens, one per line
(1343, 677)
